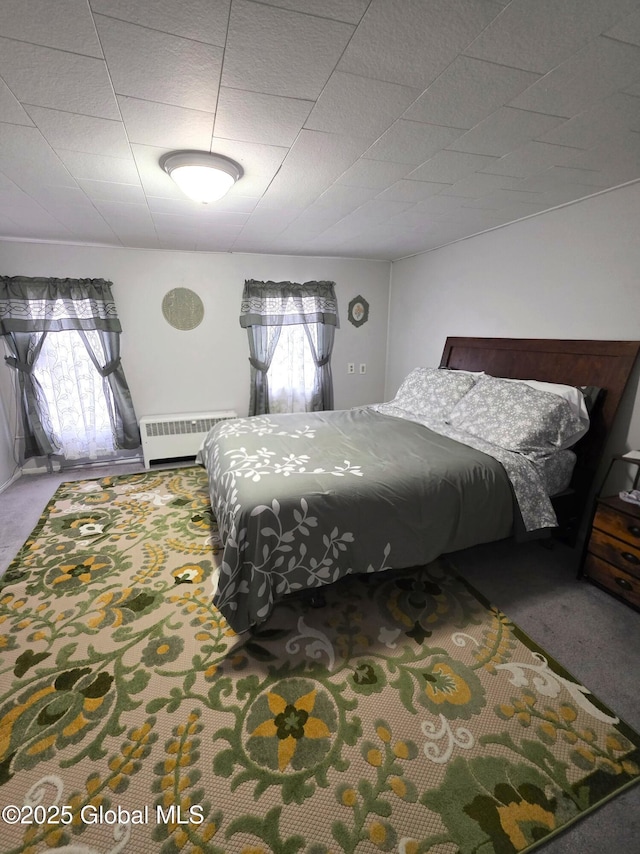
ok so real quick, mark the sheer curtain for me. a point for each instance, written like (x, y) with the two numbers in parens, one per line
(269, 310)
(78, 409)
(292, 375)
(66, 394)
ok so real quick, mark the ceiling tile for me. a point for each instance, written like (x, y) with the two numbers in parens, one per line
(291, 54)
(368, 215)
(516, 211)
(411, 142)
(139, 238)
(95, 167)
(412, 191)
(11, 109)
(254, 117)
(200, 20)
(377, 174)
(70, 28)
(219, 241)
(567, 175)
(358, 106)
(110, 191)
(480, 184)
(33, 219)
(349, 11)
(559, 176)
(263, 224)
(538, 36)
(438, 206)
(229, 204)
(530, 158)
(28, 160)
(599, 124)
(410, 42)
(180, 242)
(502, 198)
(164, 125)
(627, 108)
(160, 67)
(504, 130)
(562, 194)
(467, 91)
(86, 221)
(599, 69)
(447, 167)
(81, 133)
(203, 219)
(617, 161)
(314, 162)
(51, 196)
(120, 215)
(53, 78)
(341, 199)
(627, 29)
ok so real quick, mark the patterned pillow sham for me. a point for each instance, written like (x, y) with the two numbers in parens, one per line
(432, 392)
(516, 417)
(574, 396)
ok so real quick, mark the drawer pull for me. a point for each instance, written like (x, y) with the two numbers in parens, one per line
(634, 530)
(630, 558)
(622, 582)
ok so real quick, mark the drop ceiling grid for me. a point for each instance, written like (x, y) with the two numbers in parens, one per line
(376, 129)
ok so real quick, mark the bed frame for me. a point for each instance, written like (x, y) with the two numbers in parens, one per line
(604, 364)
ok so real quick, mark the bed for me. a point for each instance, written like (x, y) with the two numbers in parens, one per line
(304, 499)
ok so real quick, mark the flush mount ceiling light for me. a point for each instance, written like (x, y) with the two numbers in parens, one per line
(201, 176)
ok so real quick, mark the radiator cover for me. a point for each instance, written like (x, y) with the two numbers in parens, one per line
(180, 435)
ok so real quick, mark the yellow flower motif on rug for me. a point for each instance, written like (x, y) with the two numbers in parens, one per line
(291, 722)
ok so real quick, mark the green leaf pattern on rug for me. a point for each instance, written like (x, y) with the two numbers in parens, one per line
(405, 716)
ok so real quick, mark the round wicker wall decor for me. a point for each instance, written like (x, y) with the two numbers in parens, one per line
(183, 308)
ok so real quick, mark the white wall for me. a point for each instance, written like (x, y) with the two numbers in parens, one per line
(171, 371)
(569, 273)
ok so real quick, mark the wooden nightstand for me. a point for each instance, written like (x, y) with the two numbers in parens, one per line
(613, 552)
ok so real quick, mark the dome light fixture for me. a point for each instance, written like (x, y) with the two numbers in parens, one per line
(201, 176)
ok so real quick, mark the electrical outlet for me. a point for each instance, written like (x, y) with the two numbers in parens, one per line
(351, 367)
(363, 367)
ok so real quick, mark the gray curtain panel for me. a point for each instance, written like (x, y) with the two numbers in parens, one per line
(266, 307)
(33, 409)
(31, 308)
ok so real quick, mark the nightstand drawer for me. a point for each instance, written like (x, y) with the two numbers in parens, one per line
(622, 525)
(617, 552)
(620, 583)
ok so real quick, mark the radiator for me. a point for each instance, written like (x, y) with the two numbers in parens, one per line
(168, 436)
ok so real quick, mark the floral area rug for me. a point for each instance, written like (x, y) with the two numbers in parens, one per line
(407, 715)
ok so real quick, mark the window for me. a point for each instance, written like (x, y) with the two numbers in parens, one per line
(77, 400)
(63, 337)
(290, 329)
(292, 374)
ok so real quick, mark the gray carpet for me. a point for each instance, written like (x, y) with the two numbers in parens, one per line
(596, 637)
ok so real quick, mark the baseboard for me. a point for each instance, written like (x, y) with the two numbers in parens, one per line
(11, 480)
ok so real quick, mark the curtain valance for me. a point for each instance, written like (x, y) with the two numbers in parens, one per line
(54, 305)
(288, 303)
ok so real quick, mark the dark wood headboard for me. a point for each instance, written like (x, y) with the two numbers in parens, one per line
(605, 364)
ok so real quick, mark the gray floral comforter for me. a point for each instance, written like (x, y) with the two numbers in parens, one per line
(303, 499)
